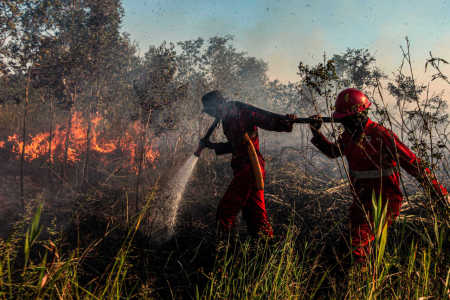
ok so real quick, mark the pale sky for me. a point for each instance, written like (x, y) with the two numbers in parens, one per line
(284, 32)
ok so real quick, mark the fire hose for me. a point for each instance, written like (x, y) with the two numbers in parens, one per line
(254, 161)
(205, 139)
(253, 156)
(311, 120)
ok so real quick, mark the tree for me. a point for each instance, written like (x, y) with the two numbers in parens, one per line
(356, 68)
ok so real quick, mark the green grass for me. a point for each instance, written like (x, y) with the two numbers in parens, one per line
(410, 260)
(260, 269)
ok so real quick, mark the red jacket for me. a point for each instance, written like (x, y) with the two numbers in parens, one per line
(372, 156)
(241, 118)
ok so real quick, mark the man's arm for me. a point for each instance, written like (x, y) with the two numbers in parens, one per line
(219, 148)
(328, 148)
(412, 164)
(222, 148)
(267, 120)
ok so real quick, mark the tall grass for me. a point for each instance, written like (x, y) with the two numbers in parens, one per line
(43, 269)
(409, 260)
(405, 266)
(260, 269)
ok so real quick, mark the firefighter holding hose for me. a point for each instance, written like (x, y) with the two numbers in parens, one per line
(240, 123)
(374, 155)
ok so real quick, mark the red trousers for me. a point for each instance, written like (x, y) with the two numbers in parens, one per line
(361, 220)
(242, 194)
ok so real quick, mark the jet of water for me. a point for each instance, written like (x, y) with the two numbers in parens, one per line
(176, 188)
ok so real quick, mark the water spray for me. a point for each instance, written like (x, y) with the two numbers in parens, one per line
(177, 184)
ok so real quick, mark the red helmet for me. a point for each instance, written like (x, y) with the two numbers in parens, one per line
(350, 102)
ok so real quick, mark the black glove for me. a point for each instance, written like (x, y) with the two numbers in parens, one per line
(286, 122)
(315, 126)
(205, 143)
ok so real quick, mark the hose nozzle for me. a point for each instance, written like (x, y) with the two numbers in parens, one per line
(204, 141)
(201, 146)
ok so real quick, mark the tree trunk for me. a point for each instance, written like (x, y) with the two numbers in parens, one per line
(89, 129)
(73, 97)
(67, 144)
(88, 145)
(50, 141)
(141, 146)
(24, 139)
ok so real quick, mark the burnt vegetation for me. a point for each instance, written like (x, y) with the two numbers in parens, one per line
(91, 132)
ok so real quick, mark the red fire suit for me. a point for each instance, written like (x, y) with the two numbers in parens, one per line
(242, 193)
(373, 166)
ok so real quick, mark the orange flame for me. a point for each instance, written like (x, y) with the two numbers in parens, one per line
(76, 141)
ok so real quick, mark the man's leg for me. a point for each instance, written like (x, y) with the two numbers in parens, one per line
(395, 203)
(360, 229)
(234, 199)
(255, 214)
(361, 222)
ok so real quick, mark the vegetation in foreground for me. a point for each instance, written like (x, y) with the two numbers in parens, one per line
(96, 260)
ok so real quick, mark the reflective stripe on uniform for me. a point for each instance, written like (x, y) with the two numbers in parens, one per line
(372, 174)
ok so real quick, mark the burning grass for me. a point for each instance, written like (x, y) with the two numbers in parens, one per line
(70, 143)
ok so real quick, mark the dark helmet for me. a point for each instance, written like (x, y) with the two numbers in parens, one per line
(211, 99)
(350, 102)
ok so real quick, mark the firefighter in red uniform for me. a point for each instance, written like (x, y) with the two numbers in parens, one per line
(241, 121)
(374, 155)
